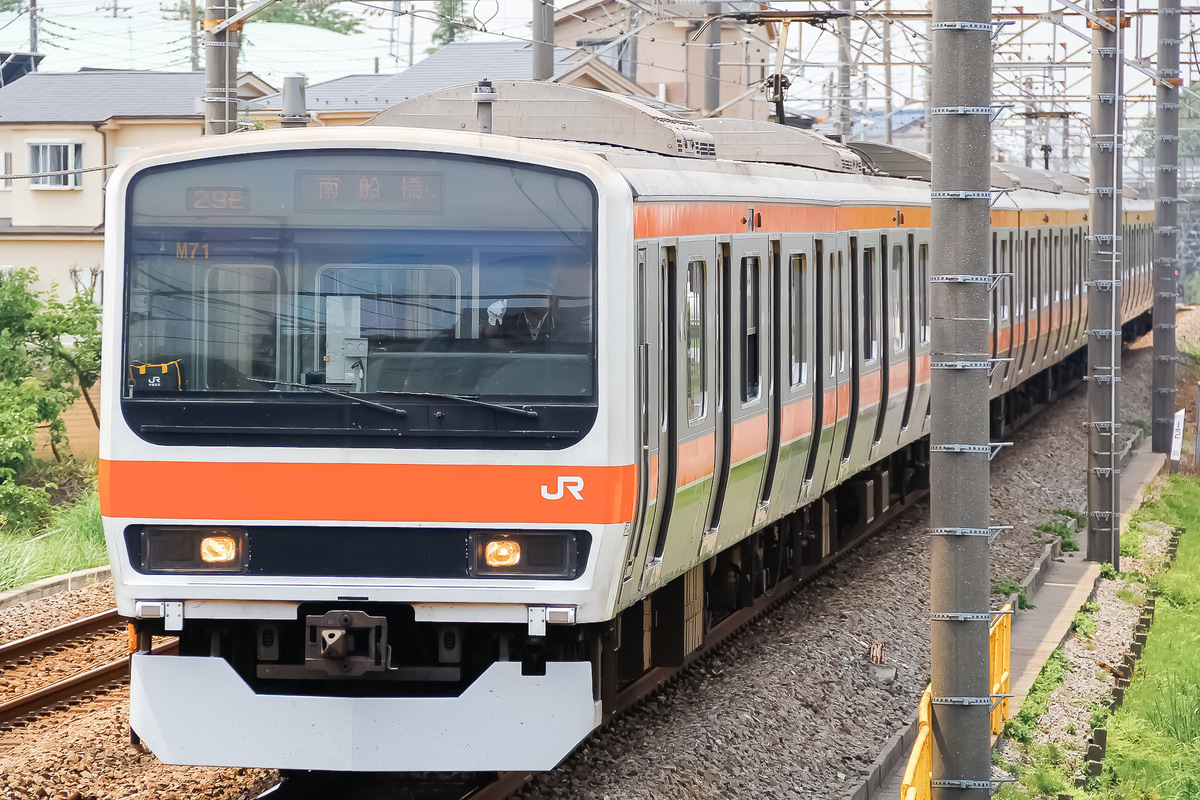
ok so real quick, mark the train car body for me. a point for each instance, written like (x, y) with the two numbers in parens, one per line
(425, 442)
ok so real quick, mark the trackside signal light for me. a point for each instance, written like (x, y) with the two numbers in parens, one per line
(502, 553)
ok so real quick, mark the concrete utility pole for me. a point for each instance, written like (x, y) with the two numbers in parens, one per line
(1104, 283)
(543, 40)
(844, 123)
(888, 111)
(960, 447)
(712, 59)
(194, 36)
(33, 31)
(929, 79)
(220, 69)
(1166, 223)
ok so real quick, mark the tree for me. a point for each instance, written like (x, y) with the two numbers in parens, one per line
(449, 14)
(49, 357)
(315, 15)
(11, 5)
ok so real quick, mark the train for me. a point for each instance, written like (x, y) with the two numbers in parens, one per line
(426, 442)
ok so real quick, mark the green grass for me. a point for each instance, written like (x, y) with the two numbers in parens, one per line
(1141, 424)
(1154, 738)
(1022, 725)
(1070, 544)
(73, 540)
(1012, 587)
(1078, 516)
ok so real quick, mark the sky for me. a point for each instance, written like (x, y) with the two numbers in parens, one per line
(386, 35)
(78, 33)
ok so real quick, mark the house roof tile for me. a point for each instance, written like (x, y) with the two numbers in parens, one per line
(92, 96)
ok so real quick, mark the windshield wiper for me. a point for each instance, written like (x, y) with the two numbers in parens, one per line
(316, 387)
(518, 410)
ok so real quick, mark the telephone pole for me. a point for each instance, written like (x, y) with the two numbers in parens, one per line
(960, 445)
(543, 40)
(1166, 223)
(194, 38)
(220, 68)
(1104, 283)
(33, 29)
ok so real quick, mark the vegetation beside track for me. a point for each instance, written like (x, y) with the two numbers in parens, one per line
(1153, 739)
(70, 538)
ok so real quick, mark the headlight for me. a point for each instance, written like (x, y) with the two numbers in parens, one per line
(524, 554)
(200, 550)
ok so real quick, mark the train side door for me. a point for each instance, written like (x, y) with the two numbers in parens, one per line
(918, 416)
(745, 382)
(648, 392)
(831, 364)
(794, 378)
(840, 338)
(691, 375)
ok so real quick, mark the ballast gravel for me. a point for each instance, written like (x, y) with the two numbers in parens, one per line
(792, 707)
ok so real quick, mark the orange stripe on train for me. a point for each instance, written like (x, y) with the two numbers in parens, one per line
(482, 494)
(695, 219)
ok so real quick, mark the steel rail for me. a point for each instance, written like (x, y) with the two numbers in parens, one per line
(86, 682)
(41, 643)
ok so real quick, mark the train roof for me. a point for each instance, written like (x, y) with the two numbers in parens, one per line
(610, 124)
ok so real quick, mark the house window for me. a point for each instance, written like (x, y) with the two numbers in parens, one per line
(7, 182)
(56, 158)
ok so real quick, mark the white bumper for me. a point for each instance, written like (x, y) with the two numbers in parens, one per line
(198, 711)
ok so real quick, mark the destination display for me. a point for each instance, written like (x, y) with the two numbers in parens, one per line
(412, 192)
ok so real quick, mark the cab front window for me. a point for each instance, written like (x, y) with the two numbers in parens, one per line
(269, 296)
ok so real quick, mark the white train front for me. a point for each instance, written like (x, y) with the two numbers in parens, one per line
(425, 443)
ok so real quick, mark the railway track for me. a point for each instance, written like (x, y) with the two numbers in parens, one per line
(81, 684)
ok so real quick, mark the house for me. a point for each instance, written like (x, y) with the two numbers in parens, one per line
(664, 50)
(86, 120)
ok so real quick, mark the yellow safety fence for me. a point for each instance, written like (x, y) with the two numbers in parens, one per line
(920, 763)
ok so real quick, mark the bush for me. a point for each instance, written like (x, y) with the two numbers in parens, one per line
(49, 357)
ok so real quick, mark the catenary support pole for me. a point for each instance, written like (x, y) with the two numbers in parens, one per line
(888, 109)
(193, 36)
(960, 449)
(543, 40)
(217, 76)
(844, 123)
(1104, 285)
(1166, 223)
(712, 59)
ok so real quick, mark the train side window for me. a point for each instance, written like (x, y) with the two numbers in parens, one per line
(896, 299)
(840, 302)
(798, 293)
(870, 327)
(1031, 276)
(696, 331)
(922, 291)
(1045, 274)
(751, 372)
(1080, 262)
(1002, 289)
